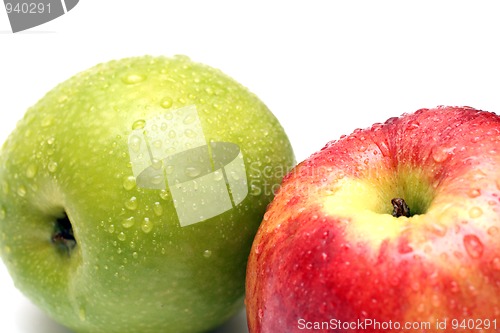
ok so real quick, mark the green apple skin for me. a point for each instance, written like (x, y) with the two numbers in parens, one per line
(330, 256)
(133, 268)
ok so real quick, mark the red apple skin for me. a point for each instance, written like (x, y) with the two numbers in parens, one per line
(314, 269)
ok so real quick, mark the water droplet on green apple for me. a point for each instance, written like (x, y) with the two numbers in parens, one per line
(133, 78)
(166, 102)
(121, 236)
(473, 246)
(31, 171)
(164, 194)
(21, 191)
(111, 228)
(475, 212)
(207, 253)
(192, 172)
(82, 314)
(128, 222)
(139, 124)
(190, 133)
(129, 183)
(131, 203)
(158, 209)
(47, 121)
(473, 193)
(3, 213)
(189, 119)
(52, 166)
(172, 134)
(135, 143)
(147, 225)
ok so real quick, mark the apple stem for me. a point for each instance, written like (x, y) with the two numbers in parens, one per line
(400, 208)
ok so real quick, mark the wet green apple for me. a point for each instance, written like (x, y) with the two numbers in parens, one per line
(130, 195)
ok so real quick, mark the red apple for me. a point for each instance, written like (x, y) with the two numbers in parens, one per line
(338, 250)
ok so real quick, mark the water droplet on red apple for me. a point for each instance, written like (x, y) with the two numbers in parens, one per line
(362, 148)
(495, 263)
(473, 246)
(475, 212)
(436, 302)
(260, 313)
(473, 193)
(438, 229)
(382, 146)
(454, 288)
(440, 154)
(493, 231)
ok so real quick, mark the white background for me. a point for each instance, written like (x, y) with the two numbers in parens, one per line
(323, 67)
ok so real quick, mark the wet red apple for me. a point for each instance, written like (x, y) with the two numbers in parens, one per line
(392, 228)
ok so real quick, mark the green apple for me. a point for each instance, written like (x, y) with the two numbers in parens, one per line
(130, 195)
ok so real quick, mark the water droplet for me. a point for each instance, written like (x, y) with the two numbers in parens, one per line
(493, 231)
(164, 194)
(260, 313)
(3, 213)
(139, 124)
(47, 121)
(51, 140)
(129, 183)
(189, 119)
(31, 171)
(21, 191)
(473, 193)
(207, 253)
(121, 236)
(52, 166)
(82, 315)
(131, 203)
(495, 263)
(438, 229)
(473, 246)
(454, 288)
(135, 143)
(128, 222)
(133, 78)
(157, 208)
(166, 102)
(218, 175)
(190, 133)
(135, 255)
(147, 225)
(172, 134)
(475, 212)
(111, 228)
(362, 149)
(193, 172)
(440, 154)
